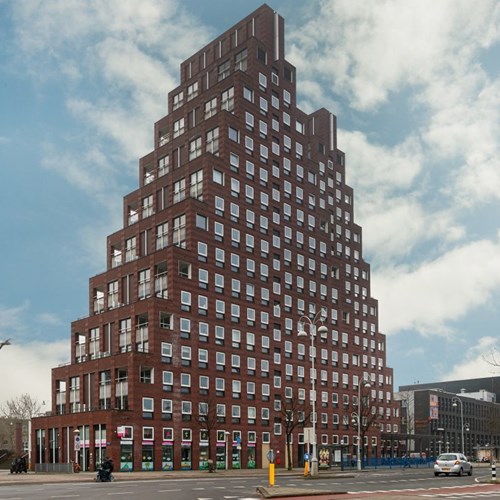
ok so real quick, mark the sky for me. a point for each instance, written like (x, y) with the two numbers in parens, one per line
(415, 87)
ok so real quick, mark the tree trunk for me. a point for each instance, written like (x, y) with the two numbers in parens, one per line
(289, 453)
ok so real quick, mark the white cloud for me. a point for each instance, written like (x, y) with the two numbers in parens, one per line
(50, 319)
(390, 187)
(476, 361)
(431, 297)
(128, 51)
(11, 320)
(377, 166)
(412, 198)
(367, 50)
(39, 358)
(23, 356)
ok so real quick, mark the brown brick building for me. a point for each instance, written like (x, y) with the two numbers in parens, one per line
(241, 227)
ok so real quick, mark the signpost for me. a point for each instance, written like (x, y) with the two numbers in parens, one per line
(77, 443)
(76, 466)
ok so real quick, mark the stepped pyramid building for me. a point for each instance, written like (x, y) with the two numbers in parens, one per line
(240, 236)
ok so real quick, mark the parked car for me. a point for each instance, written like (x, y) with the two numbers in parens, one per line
(452, 463)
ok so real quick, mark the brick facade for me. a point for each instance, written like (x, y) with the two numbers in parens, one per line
(242, 225)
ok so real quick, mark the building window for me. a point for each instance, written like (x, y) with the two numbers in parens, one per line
(248, 94)
(192, 91)
(240, 60)
(148, 405)
(179, 231)
(162, 236)
(211, 107)
(177, 100)
(223, 70)
(148, 174)
(212, 141)
(249, 144)
(218, 177)
(144, 284)
(196, 185)
(201, 222)
(263, 105)
(227, 100)
(163, 165)
(178, 127)
(125, 335)
(194, 149)
(166, 409)
(186, 410)
(185, 300)
(146, 375)
(131, 249)
(161, 281)
(179, 190)
(262, 81)
(234, 134)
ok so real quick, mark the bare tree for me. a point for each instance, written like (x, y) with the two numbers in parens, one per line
(208, 421)
(493, 358)
(407, 399)
(292, 413)
(367, 413)
(21, 408)
(16, 413)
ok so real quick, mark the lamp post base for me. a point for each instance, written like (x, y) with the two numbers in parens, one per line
(314, 467)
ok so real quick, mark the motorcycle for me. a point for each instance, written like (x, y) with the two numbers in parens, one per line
(104, 473)
(18, 466)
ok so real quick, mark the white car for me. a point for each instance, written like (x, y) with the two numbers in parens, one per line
(452, 463)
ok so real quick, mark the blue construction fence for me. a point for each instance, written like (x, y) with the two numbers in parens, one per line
(390, 462)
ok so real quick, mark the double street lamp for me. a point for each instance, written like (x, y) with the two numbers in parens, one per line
(322, 330)
(454, 402)
(356, 418)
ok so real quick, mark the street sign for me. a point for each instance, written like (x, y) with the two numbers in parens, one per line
(271, 455)
(77, 443)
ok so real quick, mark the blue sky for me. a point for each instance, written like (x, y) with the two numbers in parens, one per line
(416, 90)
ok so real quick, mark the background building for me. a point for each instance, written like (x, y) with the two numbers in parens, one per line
(461, 415)
(240, 235)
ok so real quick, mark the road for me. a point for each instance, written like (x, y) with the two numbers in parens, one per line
(378, 484)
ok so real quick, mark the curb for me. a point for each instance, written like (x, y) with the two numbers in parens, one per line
(282, 492)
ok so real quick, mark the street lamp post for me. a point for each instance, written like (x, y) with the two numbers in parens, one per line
(441, 438)
(356, 417)
(226, 437)
(4, 343)
(320, 316)
(454, 402)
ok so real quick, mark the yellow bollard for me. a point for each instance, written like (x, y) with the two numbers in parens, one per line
(271, 474)
(306, 468)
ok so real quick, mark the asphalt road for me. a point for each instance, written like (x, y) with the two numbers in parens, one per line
(377, 484)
